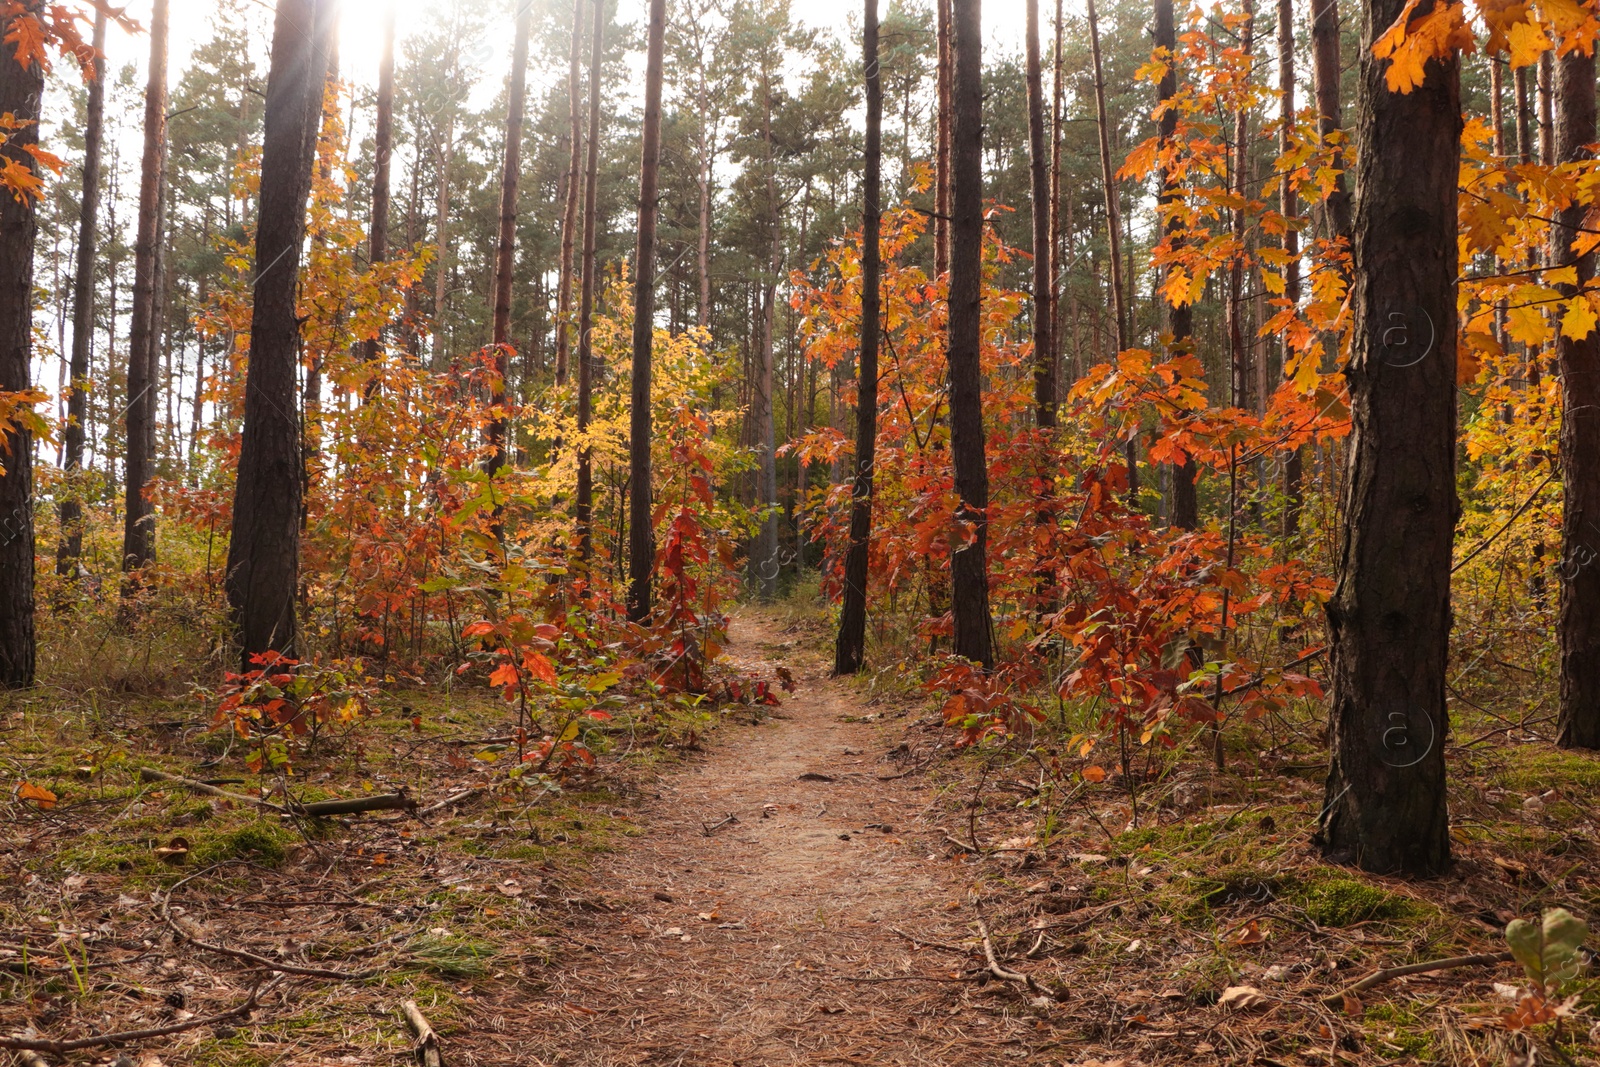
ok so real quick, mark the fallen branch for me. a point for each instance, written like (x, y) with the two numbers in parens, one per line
(150, 774)
(316, 809)
(958, 843)
(453, 799)
(30, 1058)
(1389, 974)
(427, 1047)
(382, 802)
(61, 1048)
(999, 971)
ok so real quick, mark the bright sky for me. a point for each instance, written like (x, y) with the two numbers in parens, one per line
(360, 41)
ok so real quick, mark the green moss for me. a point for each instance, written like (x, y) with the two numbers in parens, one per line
(1339, 901)
(260, 842)
(1537, 768)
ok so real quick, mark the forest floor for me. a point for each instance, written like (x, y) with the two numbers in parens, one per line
(811, 886)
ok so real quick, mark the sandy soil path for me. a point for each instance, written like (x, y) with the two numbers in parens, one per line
(740, 946)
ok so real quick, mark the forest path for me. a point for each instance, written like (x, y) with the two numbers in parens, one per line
(749, 962)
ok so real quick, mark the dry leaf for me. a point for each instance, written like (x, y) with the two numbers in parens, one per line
(1243, 998)
(38, 794)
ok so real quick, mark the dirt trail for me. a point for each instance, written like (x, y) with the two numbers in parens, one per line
(769, 917)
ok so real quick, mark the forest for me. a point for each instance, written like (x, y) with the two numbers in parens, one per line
(737, 532)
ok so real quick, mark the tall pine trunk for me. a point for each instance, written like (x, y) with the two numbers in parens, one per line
(138, 529)
(850, 648)
(1044, 349)
(264, 550)
(1579, 719)
(569, 209)
(505, 258)
(585, 502)
(382, 152)
(764, 561)
(969, 547)
(941, 195)
(1330, 110)
(641, 528)
(20, 91)
(1293, 464)
(1239, 357)
(1180, 317)
(70, 511)
(1119, 299)
(1389, 618)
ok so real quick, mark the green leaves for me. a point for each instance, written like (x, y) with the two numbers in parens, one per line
(1548, 951)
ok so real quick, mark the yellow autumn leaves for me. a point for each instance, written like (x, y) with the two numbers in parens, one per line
(1523, 30)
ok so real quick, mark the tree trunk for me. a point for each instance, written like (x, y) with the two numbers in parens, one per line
(585, 503)
(506, 249)
(1113, 224)
(1519, 82)
(941, 202)
(139, 530)
(20, 92)
(1180, 318)
(969, 570)
(71, 509)
(1330, 112)
(1056, 104)
(1579, 720)
(1547, 118)
(264, 550)
(1389, 619)
(850, 648)
(641, 527)
(569, 210)
(1044, 363)
(382, 151)
(1293, 463)
(764, 561)
(1497, 108)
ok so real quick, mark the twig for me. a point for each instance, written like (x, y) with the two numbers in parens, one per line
(957, 949)
(1389, 974)
(901, 978)
(258, 960)
(427, 1048)
(453, 799)
(714, 827)
(1515, 515)
(999, 971)
(245, 1007)
(962, 845)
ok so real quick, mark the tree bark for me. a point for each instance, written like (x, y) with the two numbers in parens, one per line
(1288, 204)
(585, 503)
(641, 526)
(20, 91)
(1389, 618)
(138, 529)
(264, 550)
(70, 511)
(850, 648)
(1113, 224)
(1579, 628)
(1044, 363)
(1330, 111)
(1239, 362)
(1180, 318)
(941, 202)
(765, 562)
(569, 210)
(1547, 120)
(969, 570)
(1519, 83)
(505, 259)
(382, 153)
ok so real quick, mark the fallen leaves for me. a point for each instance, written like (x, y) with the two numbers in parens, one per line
(1243, 998)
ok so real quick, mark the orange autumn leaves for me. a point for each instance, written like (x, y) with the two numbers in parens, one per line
(1519, 28)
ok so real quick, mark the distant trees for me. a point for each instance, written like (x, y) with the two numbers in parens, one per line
(506, 242)
(264, 547)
